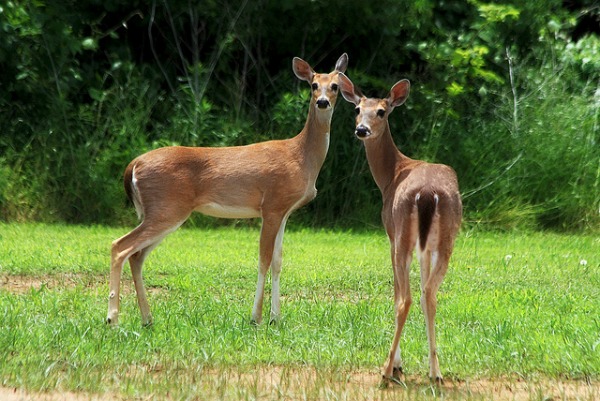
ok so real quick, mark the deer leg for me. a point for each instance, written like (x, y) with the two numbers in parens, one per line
(146, 235)
(121, 250)
(117, 260)
(402, 301)
(268, 233)
(429, 287)
(136, 261)
(425, 264)
(275, 273)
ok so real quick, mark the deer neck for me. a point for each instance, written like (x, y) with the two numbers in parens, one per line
(384, 158)
(314, 138)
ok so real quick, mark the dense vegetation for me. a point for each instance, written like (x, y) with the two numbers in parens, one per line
(508, 94)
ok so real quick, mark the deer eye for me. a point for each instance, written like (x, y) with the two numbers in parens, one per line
(334, 87)
(315, 86)
(380, 112)
(357, 110)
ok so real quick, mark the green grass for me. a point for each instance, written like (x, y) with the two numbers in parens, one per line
(513, 306)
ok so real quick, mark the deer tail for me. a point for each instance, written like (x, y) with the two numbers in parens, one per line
(427, 202)
(129, 182)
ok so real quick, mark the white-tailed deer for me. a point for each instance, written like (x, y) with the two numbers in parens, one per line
(422, 211)
(268, 180)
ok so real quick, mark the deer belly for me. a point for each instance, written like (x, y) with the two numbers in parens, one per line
(228, 211)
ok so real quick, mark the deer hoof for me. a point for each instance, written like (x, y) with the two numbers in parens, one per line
(112, 319)
(386, 380)
(385, 383)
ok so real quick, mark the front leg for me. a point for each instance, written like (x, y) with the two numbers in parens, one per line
(268, 234)
(275, 273)
(259, 295)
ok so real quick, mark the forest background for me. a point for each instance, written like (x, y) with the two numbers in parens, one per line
(507, 93)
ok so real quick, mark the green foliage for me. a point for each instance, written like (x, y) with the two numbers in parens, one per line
(289, 113)
(5, 176)
(584, 54)
(538, 165)
(87, 86)
(494, 13)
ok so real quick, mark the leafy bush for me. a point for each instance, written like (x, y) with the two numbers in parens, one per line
(504, 93)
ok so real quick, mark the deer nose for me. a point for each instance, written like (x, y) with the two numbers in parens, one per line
(322, 103)
(362, 131)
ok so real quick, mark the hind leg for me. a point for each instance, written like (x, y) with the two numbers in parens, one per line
(402, 257)
(138, 242)
(136, 261)
(431, 279)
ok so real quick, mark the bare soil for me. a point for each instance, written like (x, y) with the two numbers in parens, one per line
(271, 385)
(21, 284)
(9, 394)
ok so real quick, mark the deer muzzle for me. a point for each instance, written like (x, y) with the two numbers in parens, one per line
(323, 103)
(362, 131)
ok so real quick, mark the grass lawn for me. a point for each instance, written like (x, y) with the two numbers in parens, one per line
(516, 311)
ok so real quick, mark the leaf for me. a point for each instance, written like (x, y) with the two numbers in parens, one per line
(498, 12)
(455, 89)
(89, 44)
(97, 95)
(487, 75)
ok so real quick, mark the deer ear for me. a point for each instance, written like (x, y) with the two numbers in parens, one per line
(302, 69)
(342, 63)
(399, 93)
(347, 88)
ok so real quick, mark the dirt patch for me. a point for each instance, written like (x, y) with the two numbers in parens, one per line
(278, 383)
(23, 284)
(7, 394)
(292, 384)
(522, 390)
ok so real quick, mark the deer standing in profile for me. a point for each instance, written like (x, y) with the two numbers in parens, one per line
(268, 180)
(422, 211)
